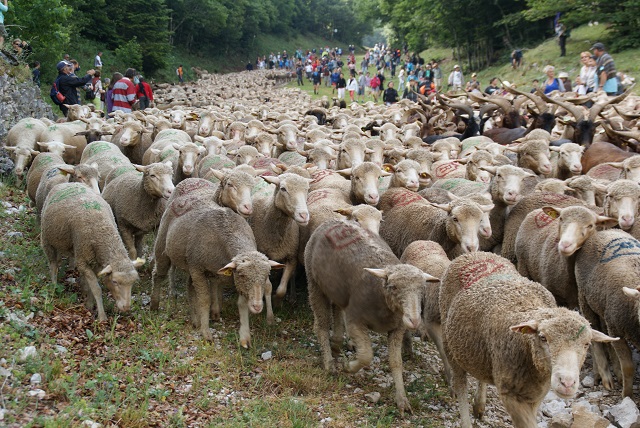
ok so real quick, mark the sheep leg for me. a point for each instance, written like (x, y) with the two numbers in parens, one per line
(626, 365)
(289, 270)
(598, 353)
(89, 301)
(158, 277)
(321, 307)
(268, 289)
(191, 299)
(459, 377)
(407, 345)
(434, 331)
(92, 282)
(216, 301)
(202, 302)
(54, 265)
(364, 352)
(523, 414)
(337, 337)
(244, 333)
(129, 241)
(396, 338)
(480, 401)
(139, 239)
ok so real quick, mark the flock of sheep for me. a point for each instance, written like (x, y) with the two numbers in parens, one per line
(403, 217)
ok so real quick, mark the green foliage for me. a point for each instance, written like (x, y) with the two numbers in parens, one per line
(130, 53)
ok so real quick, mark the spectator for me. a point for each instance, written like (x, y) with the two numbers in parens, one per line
(316, 77)
(299, 70)
(21, 49)
(341, 85)
(362, 84)
(109, 94)
(562, 34)
(390, 95)
(326, 75)
(493, 86)
(3, 32)
(308, 69)
(144, 93)
(180, 73)
(352, 87)
(535, 85)
(551, 83)
(516, 58)
(103, 94)
(124, 92)
(411, 91)
(381, 77)
(470, 83)
(456, 78)
(66, 57)
(587, 81)
(566, 84)
(68, 83)
(96, 84)
(97, 62)
(375, 87)
(35, 73)
(249, 66)
(401, 79)
(605, 69)
(335, 76)
(437, 75)
(473, 88)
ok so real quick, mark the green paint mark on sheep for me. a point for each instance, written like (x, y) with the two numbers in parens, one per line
(28, 125)
(53, 128)
(92, 205)
(117, 160)
(46, 160)
(53, 172)
(453, 183)
(122, 169)
(67, 193)
(469, 143)
(98, 148)
(579, 332)
(168, 154)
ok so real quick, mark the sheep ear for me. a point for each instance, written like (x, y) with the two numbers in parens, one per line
(552, 212)
(430, 278)
(176, 146)
(487, 208)
(138, 263)
(271, 180)
(217, 174)
(380, 273)
(446, 207)
(198, 138)
(43, 145)
(106, 271)
(606, 222)
(228, 269)
(462, 160)
(94, 165)
(276, 265)
(387, 167)
(618, 165)
(490, 169)
(169, 164)
(436, 155)
(634, 293)
(33, 152)
(139, 168)
(554, 148)
(597, 336)
(529, 327)
(512, 149)
(425, 174)
(344, 211)
(201, 150)
(345, 172)
(66, 169)
(11, 148)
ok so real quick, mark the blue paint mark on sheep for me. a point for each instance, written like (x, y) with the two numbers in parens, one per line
(620, 247)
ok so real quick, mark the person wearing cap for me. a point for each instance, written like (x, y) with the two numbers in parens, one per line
(67, 83)
(552, 83)
(605, 69)
(472, 82)
(564, 78)
(562, 34)
(456, 78)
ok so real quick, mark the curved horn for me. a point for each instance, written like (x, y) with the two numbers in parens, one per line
(575, 111)
(595, 110)
(539, 102)
(486, 108)
(626, 116)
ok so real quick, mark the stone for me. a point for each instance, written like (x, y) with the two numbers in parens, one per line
(61, 349)
(267, 355)
(373, 397)
(27, 352)
(583, 418)
(553, 407)
(625, 414)
(588, 382)
(38, 393)
(561, 420)
(36, 378)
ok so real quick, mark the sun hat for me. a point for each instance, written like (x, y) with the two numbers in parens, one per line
(563, 75)
(597, 46)
(456, 66)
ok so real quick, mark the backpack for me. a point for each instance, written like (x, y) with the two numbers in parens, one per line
(56, 96)
(89, 88)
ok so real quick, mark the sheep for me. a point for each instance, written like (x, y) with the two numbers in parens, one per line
(265, 144)
(364, 182)
(65, 134)
(292, 158)
(567, 163)
(107, 156)
(607, 269)
(621, 201)
(213, 145)
(429, 257)
(405, 174)
(548, 232)
(78, 222)
(209, 162)
(63, 173)
(461, 186)
(376, 154)
(133, 139)
(342, 261)
(244, 155)
(534, 155)
(524, 350)
(138, 200)
(22, 141)
(447, 169)
(552, 185)
(222, 244)
(276, 219)
(628, 169)
(183, 156)
(351, 154)
(585, 188)
(520, 210)
(475, 162)
(454, 225)
(40, 164)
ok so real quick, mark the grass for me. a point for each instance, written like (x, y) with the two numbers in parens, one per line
(149, 368)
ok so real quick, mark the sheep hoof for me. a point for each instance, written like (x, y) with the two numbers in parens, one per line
(207, 336)
(403, 404)
(607, 382)
(478, 412)
(271, 320)
(245, 343)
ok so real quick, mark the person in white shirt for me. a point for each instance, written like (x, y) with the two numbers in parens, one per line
(401, 80)
(587, 80)
(97, 63)
(352, 87)
(456, 78)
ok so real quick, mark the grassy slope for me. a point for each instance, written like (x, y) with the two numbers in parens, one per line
(582, 38)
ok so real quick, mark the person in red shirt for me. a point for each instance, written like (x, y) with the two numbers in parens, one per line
(144, 93)
(124, 92)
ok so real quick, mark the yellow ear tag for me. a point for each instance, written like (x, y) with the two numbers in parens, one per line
(552, 214)
(228, 272)
(387, 169)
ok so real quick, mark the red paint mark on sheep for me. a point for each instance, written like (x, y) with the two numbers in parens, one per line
(542, 220)
(316, 196)
(475, 271)
(183, 205)
(320, 175)
(191, 186)
(342, 235)
(404, 198)
(554, 198)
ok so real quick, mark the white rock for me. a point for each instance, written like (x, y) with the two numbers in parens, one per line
(373, 397)
(561, 420)
(14, 234)
(61, 349)
(29, 351)
(625, 414)
(553, 407)
(266, 355)
(36, 378)
(40, 394)
(2, 412)
(358, 391)
(5, 372)
(588, 382)
(92, 424)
